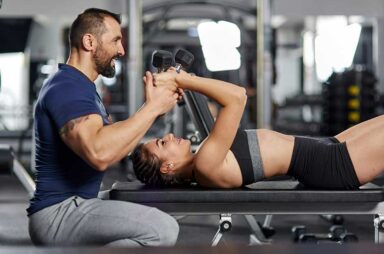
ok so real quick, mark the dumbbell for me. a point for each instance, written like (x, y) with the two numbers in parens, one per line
(337, 230)
(342, 235)
(297, 231)
(183, 60)
(162, 60)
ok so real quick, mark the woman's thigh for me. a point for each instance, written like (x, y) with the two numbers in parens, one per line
(360, 129)
(367, 152)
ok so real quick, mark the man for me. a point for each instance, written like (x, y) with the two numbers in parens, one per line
(76, 143)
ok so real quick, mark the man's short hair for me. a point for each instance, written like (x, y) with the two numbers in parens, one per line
(90, 21)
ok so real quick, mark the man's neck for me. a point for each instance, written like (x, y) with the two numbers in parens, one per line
(83, 64)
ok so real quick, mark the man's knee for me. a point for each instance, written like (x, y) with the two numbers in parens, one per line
(167, 229)
(170, 236)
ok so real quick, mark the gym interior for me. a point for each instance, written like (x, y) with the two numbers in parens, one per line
(310, 68)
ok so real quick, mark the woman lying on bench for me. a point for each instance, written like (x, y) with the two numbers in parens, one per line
(230, 158)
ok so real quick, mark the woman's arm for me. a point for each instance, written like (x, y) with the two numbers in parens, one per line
(212, 160)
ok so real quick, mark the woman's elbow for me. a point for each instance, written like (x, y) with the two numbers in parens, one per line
(241, 95)
(229, 184)
(244, 96)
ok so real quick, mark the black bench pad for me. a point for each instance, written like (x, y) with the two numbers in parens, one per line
(264, 192)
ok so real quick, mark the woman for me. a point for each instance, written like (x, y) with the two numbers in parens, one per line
(230, 158)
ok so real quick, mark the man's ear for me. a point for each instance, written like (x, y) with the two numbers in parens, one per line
(167, 167)
(89, 42)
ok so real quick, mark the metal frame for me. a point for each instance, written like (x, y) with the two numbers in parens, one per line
(274, 208)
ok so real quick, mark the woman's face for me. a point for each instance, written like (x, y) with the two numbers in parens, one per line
(169, 148)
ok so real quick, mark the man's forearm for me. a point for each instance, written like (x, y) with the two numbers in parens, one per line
(115, 141)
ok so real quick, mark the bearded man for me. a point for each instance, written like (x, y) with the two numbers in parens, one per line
(76, 142)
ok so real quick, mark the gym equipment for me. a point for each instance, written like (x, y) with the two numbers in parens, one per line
(201, 116)
(334, 219)
(274, 197)
(264, 197)
(337, 234)
(174, 120)
(9, 164)
(300, 115)
(162, 60)
(183, 59)
(349, 97)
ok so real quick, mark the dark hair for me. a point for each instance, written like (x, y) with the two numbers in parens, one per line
(90, 21)
(147, 169)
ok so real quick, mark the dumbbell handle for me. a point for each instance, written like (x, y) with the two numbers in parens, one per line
(178, 67)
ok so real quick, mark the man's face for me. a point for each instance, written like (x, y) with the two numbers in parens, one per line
(109, 48)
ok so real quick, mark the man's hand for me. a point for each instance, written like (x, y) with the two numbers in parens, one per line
(180, 93)
(167, 78)
(163, 98)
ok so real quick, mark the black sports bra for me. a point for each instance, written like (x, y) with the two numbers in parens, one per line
(240, 149)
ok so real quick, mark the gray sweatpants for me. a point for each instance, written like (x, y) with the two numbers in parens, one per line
(78, 221)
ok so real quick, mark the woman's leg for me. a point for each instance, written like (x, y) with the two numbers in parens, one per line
(366, 149)
(360, 129)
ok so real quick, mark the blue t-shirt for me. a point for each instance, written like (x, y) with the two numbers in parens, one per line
(67, 95)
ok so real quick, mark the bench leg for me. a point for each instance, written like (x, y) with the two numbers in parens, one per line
(225, 224)
(258, 236)
(379, 228)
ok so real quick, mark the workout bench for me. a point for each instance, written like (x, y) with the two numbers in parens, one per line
(261, 198)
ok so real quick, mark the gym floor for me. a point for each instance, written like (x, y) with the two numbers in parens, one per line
(194, 230)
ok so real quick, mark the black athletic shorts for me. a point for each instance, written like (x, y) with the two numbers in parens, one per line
(322, 165)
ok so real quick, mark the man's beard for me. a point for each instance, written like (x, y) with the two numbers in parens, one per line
(103, 65)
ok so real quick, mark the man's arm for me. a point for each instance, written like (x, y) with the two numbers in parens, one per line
(100, 146)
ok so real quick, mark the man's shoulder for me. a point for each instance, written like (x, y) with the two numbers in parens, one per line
(61, 82)
(63, 77)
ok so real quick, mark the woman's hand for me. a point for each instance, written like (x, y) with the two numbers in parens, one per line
(168, 79)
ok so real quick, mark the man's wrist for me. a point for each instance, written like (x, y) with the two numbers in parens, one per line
(150, 109)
